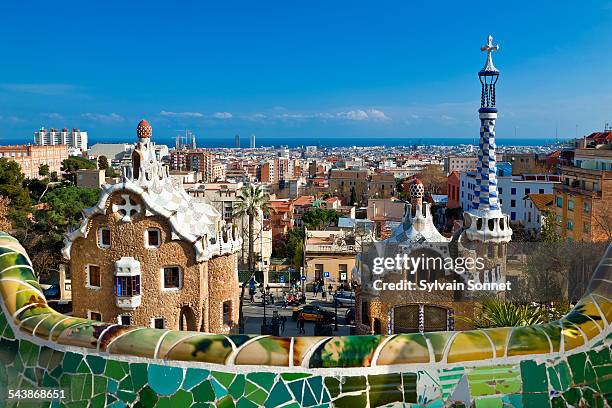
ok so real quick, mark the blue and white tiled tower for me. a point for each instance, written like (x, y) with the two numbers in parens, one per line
(485, 221)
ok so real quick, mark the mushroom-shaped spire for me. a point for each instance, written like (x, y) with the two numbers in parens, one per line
(144, 130)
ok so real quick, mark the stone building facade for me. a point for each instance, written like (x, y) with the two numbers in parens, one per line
(149, 255)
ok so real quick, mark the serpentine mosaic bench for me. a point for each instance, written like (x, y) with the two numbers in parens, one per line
(97, 364)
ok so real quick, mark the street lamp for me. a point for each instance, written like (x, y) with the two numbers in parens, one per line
(336, 311)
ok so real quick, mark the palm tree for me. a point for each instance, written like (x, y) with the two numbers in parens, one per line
(253, 201)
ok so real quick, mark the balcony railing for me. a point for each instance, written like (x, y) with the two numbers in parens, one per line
(128, 302)
(331, 248)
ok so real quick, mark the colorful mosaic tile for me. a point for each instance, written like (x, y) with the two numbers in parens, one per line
(101, 365)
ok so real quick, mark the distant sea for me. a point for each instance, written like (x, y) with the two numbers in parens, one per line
(319, 141)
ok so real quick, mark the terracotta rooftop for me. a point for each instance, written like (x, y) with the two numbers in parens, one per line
(303, 200)
(542, 201)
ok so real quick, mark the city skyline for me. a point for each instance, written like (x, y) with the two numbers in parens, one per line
(293, 73)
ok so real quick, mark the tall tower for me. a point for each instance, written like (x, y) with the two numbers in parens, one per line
(252, 144)
(237, 141)
(484, 221)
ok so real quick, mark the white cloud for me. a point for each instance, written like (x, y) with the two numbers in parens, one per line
(40, 89)
(11, 119)
(222, 115)
(53, 116)
(377, 114)
(357, 114)
(103, 117)
(182, 114)
(257, 116)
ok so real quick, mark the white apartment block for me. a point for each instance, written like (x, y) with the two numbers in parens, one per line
(512, 191)
(75, 139)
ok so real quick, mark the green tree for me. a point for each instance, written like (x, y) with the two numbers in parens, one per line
(62, 212)
(550, 228)
(353, 199)
(43, 170)
(102, 163)
(74, 163)
(5, 225)
(253, 200)
(11, 187)
(319, 218)
(434, 179)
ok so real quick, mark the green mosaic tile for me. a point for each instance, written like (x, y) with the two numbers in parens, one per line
(564, 375)
(308, 399)
(237, 388)
(126, 384)
(225, 402)
(8, 351)
(278, 395)
(601, 357)
(181, 398)
(224, 379)
(98, 401)
(539, 400)
(258, 396)
(489, 402)
(71, 362)
(147, 397)
(264, 380)
(115, 369)
(193, 377)
(245, 403)
(294, 376)
(127, 396)
(96, 364)
(138, 374)
(588, 396)
(333, 386)
(220, 391)
(350, 384)
(385, 389)
(29, 353)
(316, 384)
(351, 401)
(203, 392)
(577, 363)
(589, 375)
(296, 388)
(99, 384)
(553, 378)
(410, 387)
(164, 402)
(49, 381)
(534, 377)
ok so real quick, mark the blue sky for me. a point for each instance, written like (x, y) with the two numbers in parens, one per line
(296, 69)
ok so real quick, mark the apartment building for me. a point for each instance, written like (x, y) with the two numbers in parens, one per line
(382, 185)
(31, 157)
(75, 139)
(583, 201)
(193, 159)
(343, 182)
(511, 191)
(330, 256)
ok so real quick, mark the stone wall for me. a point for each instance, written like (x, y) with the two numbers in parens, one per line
(128, 239)
(222, 287)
